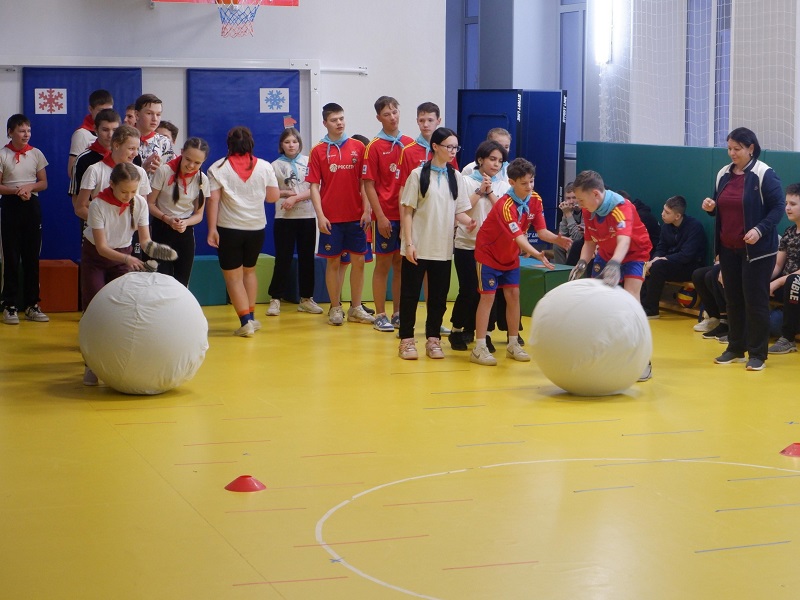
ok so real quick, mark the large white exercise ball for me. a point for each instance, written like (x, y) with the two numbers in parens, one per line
(144, 333)
(590, 339)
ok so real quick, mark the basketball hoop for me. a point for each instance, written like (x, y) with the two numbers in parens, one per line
(237, 16)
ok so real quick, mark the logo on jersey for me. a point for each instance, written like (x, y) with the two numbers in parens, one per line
(327, 247)
(492, 282)
(333, 168)
(364, 170)
(621, 225)
(513, 227)
(384, 245)
(392, 168)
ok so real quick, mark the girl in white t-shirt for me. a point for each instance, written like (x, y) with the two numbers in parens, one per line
(434, 198)
(240, 183)
(116, 213)
(485, 188)
(295, 225)
(177, 203)
(124, 149)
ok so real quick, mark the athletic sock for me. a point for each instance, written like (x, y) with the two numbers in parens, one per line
(480, 343)
(513, 339)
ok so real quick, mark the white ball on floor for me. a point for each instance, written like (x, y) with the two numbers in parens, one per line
(144, 333)
(590, 339)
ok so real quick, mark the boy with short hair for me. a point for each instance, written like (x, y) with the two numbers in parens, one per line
(418, 152)
(106, 123)
(83, 137)
(571, 226)
(22, 177)
(170, 130)
(130, 115)
(785, 284)
(155, 149)
(382, 186)
(615, 232)
(681, 249)
(334, 172)
(501, 238)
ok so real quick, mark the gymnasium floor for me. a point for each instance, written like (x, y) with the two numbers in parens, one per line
(389, 479)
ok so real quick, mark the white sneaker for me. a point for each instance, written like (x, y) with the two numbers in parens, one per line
(274, 308)
(246, 330)
(308, 305)
(336, 315)
(407, 349)
(357, 314)
(10, 316)
(34, 313)
(706, 324)
(256, 324)
(516, 352)
(482, 356)
(89, 378)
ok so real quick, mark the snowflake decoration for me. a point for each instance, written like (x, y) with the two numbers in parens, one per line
(51, 101)
(275, 99)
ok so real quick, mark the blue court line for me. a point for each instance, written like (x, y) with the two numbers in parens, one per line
(742, 547)
(620, 487)
(757, 507)
(566, 423)
(663, 432)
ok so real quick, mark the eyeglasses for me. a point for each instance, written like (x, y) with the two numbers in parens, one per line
(451, 148)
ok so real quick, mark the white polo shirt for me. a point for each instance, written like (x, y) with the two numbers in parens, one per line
(186, 204)
(13, 173)
(98, 177)
(117, 227)
(241, 204)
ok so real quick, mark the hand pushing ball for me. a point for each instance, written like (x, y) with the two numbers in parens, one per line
(144, 333)
(590, 339)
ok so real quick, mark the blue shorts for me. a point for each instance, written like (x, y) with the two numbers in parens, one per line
(345, 258)
(390, 245)
(490, 279)
(344, 237)
(633, 269)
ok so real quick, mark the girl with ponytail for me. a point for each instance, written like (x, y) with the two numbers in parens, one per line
(433, 200)
(177, 204)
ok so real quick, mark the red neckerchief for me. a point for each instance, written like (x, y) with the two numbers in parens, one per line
(96, 146)
(146, 138)
(184, 178)
(109, 160)
(88, 124)
(241, 164)
(18, 153)
(108, 196)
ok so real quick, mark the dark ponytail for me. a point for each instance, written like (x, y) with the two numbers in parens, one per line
(438, 136)
(201, 145)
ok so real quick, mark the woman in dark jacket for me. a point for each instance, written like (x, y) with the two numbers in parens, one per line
(748, 203)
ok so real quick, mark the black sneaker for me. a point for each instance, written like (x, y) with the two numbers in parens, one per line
(489, 344)
(728, 357)
(367, 309)
(457, 340)
(468, 337)
(755, 364)
(717, 332)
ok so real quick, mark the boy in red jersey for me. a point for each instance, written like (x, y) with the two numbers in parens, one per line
(419, 151)
(334, 172)
(614, 236)
(501, 238)
(382, 186)
(84, 135)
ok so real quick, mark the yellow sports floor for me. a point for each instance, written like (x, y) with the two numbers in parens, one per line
(390, 479)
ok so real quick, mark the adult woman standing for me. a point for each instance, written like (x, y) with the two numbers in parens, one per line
(748, 203)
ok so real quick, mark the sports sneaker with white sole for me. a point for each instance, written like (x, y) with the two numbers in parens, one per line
(433, 348)
(396, 320)
(408, 349)
(10, 316)
(382, 323)
(516, 352)
(647, 374)
(482, 356)
(782, 346)
(335, 315)
(256, 324)
(274, 308)
(34, 313)
(357, 314)
(246, 330)
(706, 324)
(309, 306)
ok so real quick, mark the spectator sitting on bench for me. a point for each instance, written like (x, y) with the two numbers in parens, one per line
(681, 249)
(785, 284)
(708, 284)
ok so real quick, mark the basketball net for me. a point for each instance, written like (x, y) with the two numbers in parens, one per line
(237, 16)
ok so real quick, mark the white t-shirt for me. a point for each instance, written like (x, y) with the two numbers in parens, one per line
(241, 204)
(186, 204)
(465, 240)
(119, 232)
(434, 217)
(287, 180)
(13, 173)
(98, 177)
(81, 140)
(471, 167)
